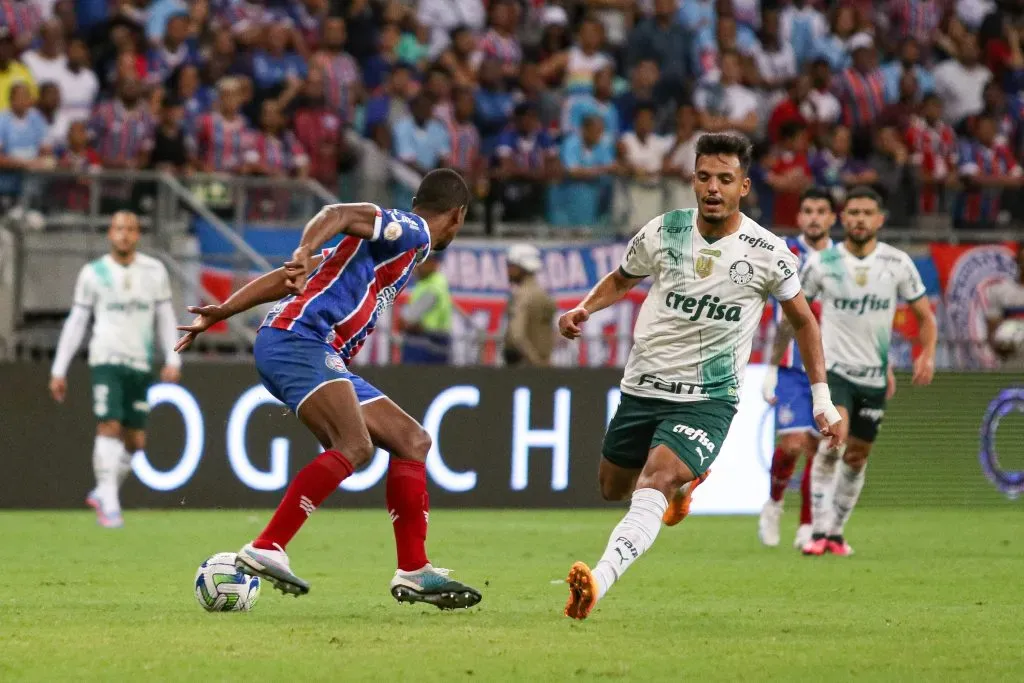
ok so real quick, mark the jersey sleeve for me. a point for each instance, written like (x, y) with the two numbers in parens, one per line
(85, 289)
(396, 232)
(910, 287)
(810, 276)
(640, 258)
(785, 281)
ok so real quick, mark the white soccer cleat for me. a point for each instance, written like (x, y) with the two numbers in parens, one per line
(271, 565)
(768, 524)
(803, 536)
(433, 586)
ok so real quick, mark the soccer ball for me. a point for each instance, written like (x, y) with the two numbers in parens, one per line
(222, 588)
(1010, 333)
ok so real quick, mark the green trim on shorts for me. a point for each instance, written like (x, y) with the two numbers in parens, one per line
(694, 431)
(865, 405)
(121, 394)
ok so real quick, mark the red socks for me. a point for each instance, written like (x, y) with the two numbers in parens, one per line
(805, 493)
(308, 490)
(781, 473)
(408, 506)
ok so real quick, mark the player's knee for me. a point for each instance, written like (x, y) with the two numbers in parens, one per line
(358, 451)
(109, 428)
(856, 458)
(791, 449)
(419, 445)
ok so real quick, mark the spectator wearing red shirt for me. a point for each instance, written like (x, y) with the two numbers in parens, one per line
(899, 113)
(76, 155)
(788, 110)
(789, 173)
(122, 128)
(861, 88)
(933, 150)
(321, 132)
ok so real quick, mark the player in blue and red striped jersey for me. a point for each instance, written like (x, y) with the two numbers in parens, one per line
(786, 385)
(327, 306)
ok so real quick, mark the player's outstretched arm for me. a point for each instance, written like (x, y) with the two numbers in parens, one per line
(358, 220)
(808, 338)
(611, 289)
(924, 366)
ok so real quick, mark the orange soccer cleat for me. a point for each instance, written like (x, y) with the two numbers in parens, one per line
(679, 507)
(582, 592)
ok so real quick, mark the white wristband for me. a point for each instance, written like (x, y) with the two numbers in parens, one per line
(821, 400)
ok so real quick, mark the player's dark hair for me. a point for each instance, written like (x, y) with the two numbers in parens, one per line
(441, 190)
(865, 192)
(729, 144)
(819, 193)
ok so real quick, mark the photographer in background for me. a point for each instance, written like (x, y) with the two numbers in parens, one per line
(530, 334)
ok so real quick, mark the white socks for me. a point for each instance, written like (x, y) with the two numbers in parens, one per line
(848, 487)
(633, 536)
(823, 484)
(124, 467)
(107, 456)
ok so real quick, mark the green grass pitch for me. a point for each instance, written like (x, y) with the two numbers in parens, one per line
(931, 595)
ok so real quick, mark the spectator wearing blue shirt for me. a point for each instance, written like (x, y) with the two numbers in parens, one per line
(277, 70)
(159, 14)
(389, 106)
(526, 161)
(834, 46)
(578, 107)
(724, 35)
(584, 197)
(22, 139)
(420, 140)
(377, 67)
(494, 105)
(909, 60)
(697, 15)
(662, 39)
(173, 51)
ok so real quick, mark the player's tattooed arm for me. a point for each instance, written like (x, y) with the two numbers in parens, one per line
(358, 220)
(611, 289)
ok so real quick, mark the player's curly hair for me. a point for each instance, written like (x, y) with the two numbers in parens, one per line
(441, 190)
(729, 144)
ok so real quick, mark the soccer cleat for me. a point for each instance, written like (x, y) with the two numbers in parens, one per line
(803, 536)
(837, 545)
(679, 507)
(582, 592)
(271, 565)
(112, 520)
(768, 524)
(816, 546)
(433, 586)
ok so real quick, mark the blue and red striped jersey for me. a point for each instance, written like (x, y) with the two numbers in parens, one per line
(355, 283)
(791, 358)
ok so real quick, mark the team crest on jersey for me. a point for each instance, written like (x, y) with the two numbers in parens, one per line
(334, 362)
(741, 272)
(860, 276)
(786, 415)
(392, 231)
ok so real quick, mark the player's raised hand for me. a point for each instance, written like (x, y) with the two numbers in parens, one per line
(924, 370)
(296, 270)
(58, 389)
(569, 323)
(205, 317)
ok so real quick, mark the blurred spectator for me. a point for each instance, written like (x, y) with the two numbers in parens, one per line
(588, 158)
(836, 170)
(195, 98)
(308, 17)
(278, 71)
(466, 157)
(909, 62)
(11, 70)
(500, 42)
(916, 19)
(527, 160)
(414, 46)
(899, 113)
(682, 159)
(363, 21)
(999, 43)
(494, 104)
(341, 73)
(420, 140)
(644, 89)
(174, 50)
(616, 17)
(776, 60)
(725, 104)
(822, 106)
(973, 12)
(836, 46)
(861, 87)
(122, 127)
(57, 121)
(933, 148)
(697, 15)
(961, 81)
(530, 335)
(600, 103)
(947, 40)
(159, 14)
(223, 59)
(460, 57)
(222, 134)
(48, 63)
(273, 150)
(385, 59)
(171, 152)
(896, 176)
(78, 156)
(555, 37)
(23, 19)
(726, 36)
(788, 173)
(22, 141)
(789, 109)
(444, 15)
(120, 52)
(546, 102)
(988, 170)
(390, 105)
(438, 88)
(426, 320)
(642, 154)
(660, 40)
(321, 132)
(79, 85)
(575, 68)
(803, 27)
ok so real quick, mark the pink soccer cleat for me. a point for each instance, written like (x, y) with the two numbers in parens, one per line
(837, 545)
(816, 546)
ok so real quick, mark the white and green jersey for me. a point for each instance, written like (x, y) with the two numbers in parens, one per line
(693, 335)
(858, 302)
(123, 302)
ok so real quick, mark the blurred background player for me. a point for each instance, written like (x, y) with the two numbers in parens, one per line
(859, 283)
(125, 292)
(786, 385)
(328, 304)
(530, 335)
(426, 320)
(1006, 305)
(693, 337)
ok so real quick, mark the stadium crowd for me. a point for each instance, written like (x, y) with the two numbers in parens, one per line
(569, 112)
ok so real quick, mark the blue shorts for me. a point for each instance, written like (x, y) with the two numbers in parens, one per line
(794, 410)
(293, 367)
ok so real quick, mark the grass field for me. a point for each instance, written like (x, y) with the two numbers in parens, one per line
(930, 595)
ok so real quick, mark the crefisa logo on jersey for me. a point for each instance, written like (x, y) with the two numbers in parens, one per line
(741, 272)
(757, 242)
